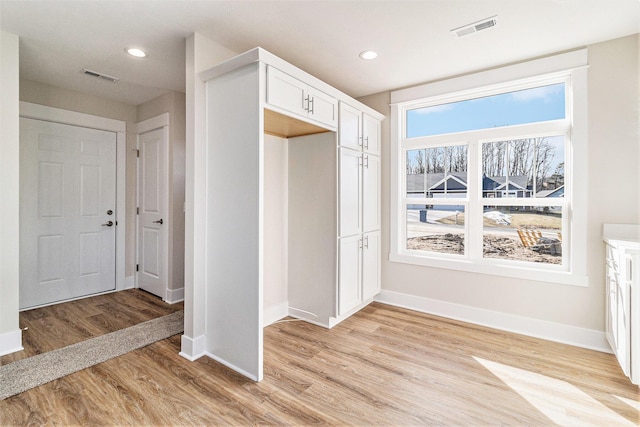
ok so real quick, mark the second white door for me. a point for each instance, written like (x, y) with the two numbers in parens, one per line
(152, 212)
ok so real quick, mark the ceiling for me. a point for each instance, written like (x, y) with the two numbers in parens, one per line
(60, 38)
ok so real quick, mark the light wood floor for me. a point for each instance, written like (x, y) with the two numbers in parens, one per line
(383, 366)
(60, 325)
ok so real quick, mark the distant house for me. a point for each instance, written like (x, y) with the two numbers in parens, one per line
(502, 186)
(454, 185)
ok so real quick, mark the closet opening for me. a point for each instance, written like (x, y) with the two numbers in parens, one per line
(300, 220)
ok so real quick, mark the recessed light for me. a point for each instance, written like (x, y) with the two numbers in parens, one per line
(138, 53)
(368, 54)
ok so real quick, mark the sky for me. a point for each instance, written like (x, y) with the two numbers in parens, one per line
(526, 106)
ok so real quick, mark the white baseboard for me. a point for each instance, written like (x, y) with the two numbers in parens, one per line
(10, 342)
(557, 332)
(175, 295)
(130, 282)
(275, 312)
(193, 348)
(233, 367)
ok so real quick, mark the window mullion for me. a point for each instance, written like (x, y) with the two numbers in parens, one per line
(474, 215)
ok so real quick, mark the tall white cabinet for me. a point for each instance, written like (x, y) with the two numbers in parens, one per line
(320, 239)
(359, 208)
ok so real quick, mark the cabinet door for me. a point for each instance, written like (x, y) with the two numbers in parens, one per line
(370, 265)
(370, 193)
(349, 134)
(349, 197)
(322, 107)
(371, 134)
(349, 267)
(285, 92)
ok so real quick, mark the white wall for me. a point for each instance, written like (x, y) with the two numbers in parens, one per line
(10, 334)
(275, 293)
(201, 54)
(561, 312)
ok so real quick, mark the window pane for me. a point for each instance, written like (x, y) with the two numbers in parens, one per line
(531, 234)
(438, 172)
(438, 228)
(533, 105)
(531, 167)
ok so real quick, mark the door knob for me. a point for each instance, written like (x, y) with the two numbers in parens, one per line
(108, 224)
(159, 221)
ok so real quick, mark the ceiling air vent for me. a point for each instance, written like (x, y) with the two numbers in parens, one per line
(475, 27)
(100, 75)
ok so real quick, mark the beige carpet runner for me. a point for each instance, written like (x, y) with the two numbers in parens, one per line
(26, 374)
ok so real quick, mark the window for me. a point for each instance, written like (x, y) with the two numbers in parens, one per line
(487, 179)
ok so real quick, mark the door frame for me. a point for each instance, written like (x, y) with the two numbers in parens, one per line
(158, 122)
(57, 115)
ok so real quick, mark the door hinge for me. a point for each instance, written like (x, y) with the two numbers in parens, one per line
(137, 153)
(137, 211)
(137, 267)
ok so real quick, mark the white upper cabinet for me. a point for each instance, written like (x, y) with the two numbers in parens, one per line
(359, 130)
(350, 135)
(290, 94)
(370, 134)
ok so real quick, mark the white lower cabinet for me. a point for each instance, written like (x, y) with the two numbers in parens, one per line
(623, 296)
(370, 265)
(359, 270)
(349, 276)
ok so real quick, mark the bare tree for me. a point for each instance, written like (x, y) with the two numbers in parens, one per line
(419, 168)
(531, 157)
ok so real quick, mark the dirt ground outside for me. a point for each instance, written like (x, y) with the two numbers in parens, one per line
(494, 246)
(443, 232)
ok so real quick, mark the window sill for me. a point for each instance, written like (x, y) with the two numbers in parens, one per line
(516, 272)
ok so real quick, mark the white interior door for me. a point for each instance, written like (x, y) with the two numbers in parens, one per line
(67, 212)
(152, 212)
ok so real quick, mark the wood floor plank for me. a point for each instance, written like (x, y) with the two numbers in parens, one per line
(383, 366)
(56, 326)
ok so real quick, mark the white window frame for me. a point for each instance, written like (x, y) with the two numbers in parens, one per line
(569, 67)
